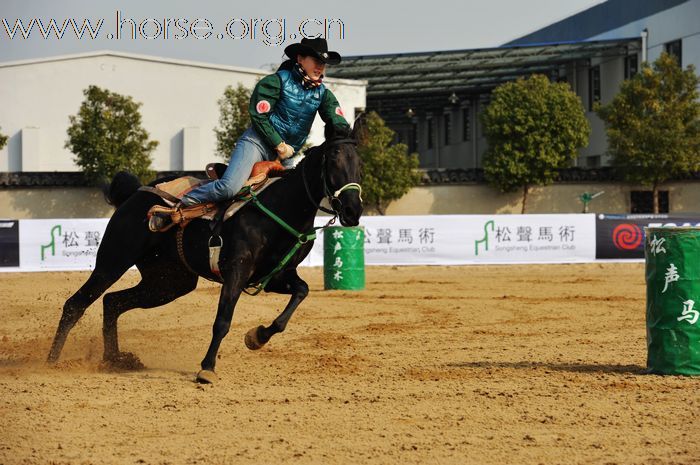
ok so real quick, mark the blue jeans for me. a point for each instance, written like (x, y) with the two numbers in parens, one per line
(249, 150)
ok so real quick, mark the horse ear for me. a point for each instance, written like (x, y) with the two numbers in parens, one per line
(329, 132)
(360, 130)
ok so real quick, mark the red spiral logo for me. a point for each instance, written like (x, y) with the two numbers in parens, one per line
(627, 236)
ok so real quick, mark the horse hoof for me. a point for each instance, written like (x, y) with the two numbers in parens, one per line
(207, 377)
(123, 361)
(251, 339)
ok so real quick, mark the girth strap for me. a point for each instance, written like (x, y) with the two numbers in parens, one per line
(181, 250)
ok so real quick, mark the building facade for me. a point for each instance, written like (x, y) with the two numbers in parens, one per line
(671, 26)
(433, 100)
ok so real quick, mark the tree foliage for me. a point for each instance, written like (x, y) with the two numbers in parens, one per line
(653, 124)
(389, 172)
(533, 127)
(106, 137)
(234, 118)
(3, 140)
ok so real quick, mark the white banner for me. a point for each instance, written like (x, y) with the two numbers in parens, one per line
(71, 244)
(64, 244)
(466, 239)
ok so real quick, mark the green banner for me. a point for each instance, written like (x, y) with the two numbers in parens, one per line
(673, 300)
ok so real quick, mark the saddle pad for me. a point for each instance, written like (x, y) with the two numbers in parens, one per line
(239, 203)
(181, 186)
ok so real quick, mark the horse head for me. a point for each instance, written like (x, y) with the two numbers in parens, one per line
(342, 172)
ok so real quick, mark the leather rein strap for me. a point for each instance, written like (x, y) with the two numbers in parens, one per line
(326, 192)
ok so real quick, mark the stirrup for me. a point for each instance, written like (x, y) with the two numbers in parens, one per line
(159, 222)
(177, 215)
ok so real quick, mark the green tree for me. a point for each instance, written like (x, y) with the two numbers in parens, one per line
(653, 124)
(389, 171)
(534, 128)
(233, 118)
(106, 137)
(3, 140)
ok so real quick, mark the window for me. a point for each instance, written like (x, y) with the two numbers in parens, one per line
(675, 49)
(593, 86)
(448, 127)
(466, 124)
(643, 202)
(429, 123)
(631, 66)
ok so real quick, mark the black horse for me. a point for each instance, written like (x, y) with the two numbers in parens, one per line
(253, 245)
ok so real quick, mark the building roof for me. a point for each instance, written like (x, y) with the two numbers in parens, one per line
(418, 78)
(596, 20)
(156, 59)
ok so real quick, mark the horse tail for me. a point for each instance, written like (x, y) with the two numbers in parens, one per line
(123, 186)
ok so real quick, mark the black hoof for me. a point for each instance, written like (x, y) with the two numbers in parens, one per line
(124, 361)
(252, 341)
(207, 377)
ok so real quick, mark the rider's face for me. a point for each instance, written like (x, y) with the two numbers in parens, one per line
(313, 66)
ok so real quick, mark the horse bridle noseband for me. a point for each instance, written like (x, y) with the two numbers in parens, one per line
(333, 198)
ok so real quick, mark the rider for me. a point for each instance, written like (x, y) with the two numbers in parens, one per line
(282, 109)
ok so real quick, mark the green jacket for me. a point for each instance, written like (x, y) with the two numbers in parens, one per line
(281, 109)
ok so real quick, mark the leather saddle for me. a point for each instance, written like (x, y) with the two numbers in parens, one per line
(173, 191)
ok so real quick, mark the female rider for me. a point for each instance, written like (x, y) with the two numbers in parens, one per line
(282, 109)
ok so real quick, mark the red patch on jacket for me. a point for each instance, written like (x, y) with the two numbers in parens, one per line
(263, 106)
(339, 111)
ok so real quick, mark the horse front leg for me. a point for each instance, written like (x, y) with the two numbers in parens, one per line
(230, 292)
(288, 283)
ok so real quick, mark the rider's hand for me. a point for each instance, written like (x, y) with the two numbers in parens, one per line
(284, 151)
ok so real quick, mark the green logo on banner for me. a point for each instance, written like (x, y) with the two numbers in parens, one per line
(485, 240)
(51, 245)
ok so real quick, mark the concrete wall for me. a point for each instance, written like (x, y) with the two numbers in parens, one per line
(558, 198)
(433, 200)
(179, 108)
(52, 202)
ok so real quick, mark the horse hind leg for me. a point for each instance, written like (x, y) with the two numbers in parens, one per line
(125, 239)
(158, 286)
(75, 307)
(288, 283)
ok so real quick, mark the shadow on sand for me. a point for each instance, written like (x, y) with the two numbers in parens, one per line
(569, 367)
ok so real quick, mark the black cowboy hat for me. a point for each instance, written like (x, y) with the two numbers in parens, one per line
(317, 48)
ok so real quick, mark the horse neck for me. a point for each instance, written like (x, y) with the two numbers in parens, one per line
(299, 200)
(312, 167)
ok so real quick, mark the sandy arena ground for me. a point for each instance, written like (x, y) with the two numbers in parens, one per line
(432, 365)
